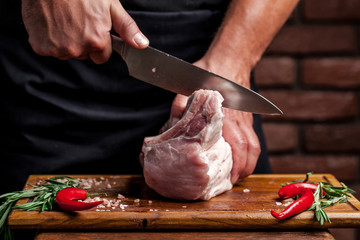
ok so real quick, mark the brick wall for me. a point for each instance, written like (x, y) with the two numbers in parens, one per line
(311, 71)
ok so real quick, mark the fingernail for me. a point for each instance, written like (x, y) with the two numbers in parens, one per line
(141, 40)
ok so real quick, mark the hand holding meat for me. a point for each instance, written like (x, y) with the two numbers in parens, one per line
(78, 29)
(191, 159)
(238, 131)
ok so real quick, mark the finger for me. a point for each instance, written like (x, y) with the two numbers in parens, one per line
(102, 56)
(239, 151)
(177, 108)
(70, 51)
(83, 57)
(179, 105)
(253, 152)
(235, 137)
(126, 27)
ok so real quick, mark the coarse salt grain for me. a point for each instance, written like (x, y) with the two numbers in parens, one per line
(246, 190)
(123, 206)
(184, 206)
(108, 186)
(39, 181)
(150, 202)
(278, 203)
(137, 200)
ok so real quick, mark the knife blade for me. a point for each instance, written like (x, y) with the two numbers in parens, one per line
(173, 74)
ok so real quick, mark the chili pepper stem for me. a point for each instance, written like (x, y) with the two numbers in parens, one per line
(96, 194)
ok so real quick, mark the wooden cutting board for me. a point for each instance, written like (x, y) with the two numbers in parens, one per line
(246, 206)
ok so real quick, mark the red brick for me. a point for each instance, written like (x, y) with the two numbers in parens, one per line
(280, 137)
(312, 105)
(275, 71)
(334, 10)
(344, 168)
(331, 72)
(332, 138)
(314, 40)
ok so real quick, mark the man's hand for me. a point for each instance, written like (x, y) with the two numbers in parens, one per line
(238, 131)
(78, 29)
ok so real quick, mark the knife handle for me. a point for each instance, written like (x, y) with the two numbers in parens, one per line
(118, 45)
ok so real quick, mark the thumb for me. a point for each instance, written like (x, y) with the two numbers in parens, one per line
(126, 27)
(177, 108)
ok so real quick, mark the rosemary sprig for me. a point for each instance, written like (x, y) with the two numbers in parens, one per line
(320, 214)
(332, 195)
(300, 180)
(44, 198)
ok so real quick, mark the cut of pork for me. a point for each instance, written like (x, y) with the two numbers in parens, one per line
(191, 159)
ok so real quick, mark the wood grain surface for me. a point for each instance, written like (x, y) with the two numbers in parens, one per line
(246, 235)
(246, 206)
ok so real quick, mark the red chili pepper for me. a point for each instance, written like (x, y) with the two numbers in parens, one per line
(292, 190)
(303, 203)
(67, 199)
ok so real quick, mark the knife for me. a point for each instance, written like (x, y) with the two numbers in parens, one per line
(173, 74)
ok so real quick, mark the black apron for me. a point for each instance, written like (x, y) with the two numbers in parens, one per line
(67, 117)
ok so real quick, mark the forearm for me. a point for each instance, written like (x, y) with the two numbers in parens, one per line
(248, 28)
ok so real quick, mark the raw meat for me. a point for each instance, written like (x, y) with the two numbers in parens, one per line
(191, 159)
